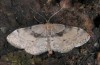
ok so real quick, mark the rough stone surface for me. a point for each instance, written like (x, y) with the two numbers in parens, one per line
(16, 14)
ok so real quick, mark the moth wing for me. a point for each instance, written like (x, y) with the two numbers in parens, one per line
(39, 47)
(18, 38)
(72, 37)
(39, 29)
(23, 39)
(56, 28)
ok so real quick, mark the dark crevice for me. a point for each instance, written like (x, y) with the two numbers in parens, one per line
(84, 1)
(57, 1)
(54, 2)
(97, 21)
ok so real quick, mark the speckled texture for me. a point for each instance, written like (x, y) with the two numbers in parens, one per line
(16, 14)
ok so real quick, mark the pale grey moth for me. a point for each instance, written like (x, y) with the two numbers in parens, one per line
(40, 38)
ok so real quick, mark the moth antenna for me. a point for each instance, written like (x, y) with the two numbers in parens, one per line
(36, 19)
(54, 14)
(39, 14)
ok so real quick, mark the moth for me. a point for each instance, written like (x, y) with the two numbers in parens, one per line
(41, 38)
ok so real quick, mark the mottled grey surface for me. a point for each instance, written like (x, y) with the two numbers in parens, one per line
(16, 14)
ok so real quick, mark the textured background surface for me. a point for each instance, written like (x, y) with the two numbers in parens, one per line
(18, 13)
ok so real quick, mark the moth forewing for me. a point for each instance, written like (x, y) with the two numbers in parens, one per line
(71, 38)
(20, 38)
